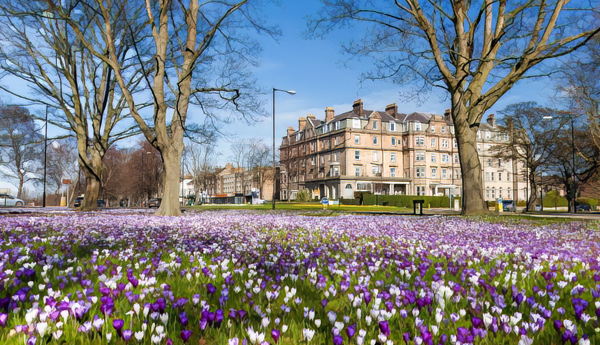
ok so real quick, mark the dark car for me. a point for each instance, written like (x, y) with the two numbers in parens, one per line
(101, 203)
(584, 207)
(77, 202)
(508, 206)
(154, 202)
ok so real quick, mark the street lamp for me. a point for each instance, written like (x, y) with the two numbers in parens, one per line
(144, 189)
(45, 156)
(573, 194)
(291, 92)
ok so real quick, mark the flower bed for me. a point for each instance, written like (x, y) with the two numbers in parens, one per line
(235, 278)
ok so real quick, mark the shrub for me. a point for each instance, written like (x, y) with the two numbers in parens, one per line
(399, 200)
(303, 195)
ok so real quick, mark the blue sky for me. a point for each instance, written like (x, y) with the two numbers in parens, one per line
(313, 68)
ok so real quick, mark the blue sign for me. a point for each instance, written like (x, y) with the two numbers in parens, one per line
(325, 201)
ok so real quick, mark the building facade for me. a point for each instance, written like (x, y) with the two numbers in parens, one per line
(387, 152)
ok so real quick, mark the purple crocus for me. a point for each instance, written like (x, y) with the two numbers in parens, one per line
(118, 325)
(185, 335)
(127, 334)
(464, 336)
(32, 340)
(275, 335)
(3, 319)
(338, 340)
(384, 328)
(406, 337)
(351, 330)
(211, 289)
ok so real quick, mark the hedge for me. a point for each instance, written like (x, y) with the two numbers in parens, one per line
(399, 200)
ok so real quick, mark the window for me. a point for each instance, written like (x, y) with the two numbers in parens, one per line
(454, 143)
(500, 192)
(312, 160)
(420, 156)
(507, 177)
(445, 158)
(357, 155)
(363, 186)
(432, 129)
(433, 172)
(508, 193)
(506, 137)
(443, 129)
(392, 172)
(420, 172)
(432, 142)
(478, 135)
(375, 170)
(375, 156)
(455, 158)
(487, 193)
(393, 157)
(357, 139)
(499, 176)
(487, 134)
(487, 176)
(312, 147)
(337, 125)
(445, 143)
(499, 162)
(392, 126)
(348, 186)
(492, 176)
(457, 173)
(393, 141)
(493, 192)
(420, 190)
(356, 171)
(433, 157)
(335, 141)
(419, 141)
(355, 123)
(417, 126)
(375, 140)
(374, 124)
(489, 162)
(444, 173)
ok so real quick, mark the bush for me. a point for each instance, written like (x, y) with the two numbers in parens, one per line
(553, 199)
(303, 195)
(587, 201)
(399, 200)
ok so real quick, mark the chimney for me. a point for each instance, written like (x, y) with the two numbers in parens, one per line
(290, 131)
(329, 114)
(392, 110)
(310, 116)
(491, 120)
(358, 107)
(301, 123)
(448, 115)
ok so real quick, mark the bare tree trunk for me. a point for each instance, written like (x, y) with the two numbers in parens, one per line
(92, 170)
(171, 177)
(532, 197)
(472, 197)
(21, 182)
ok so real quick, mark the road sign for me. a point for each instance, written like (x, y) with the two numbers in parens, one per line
(66, 181)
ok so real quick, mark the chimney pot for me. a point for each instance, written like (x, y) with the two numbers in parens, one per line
(357, 107)
(392, 110)
(301, 123)
(329, 114)
(491, 120)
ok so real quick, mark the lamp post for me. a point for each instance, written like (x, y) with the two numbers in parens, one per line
(144, 189)
(291, 92)
(45, 156)
(573, 194)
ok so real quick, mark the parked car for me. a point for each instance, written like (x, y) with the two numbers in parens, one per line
(154, 202)
(78, 201)
(583, 207)
(8, 200)
(508, 206)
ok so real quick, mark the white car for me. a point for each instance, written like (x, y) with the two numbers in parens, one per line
(7, 200)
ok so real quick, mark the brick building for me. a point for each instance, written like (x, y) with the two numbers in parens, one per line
(387, 152)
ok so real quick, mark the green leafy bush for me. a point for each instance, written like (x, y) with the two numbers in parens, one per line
(303, 195)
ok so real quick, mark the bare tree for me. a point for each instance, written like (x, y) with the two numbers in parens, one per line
(62, 164)
(20, 146)
(199, 162)
(260, 164)
(78, 89)
(475, 50)
(532, 140)
(196, 57)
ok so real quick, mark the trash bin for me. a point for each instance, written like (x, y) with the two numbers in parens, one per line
(456, 205)
(418, 207)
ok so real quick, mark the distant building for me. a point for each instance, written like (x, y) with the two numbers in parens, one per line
(387, 152)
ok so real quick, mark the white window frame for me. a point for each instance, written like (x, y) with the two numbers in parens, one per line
(433, 172)
(357, 139)
(393, 157)
(357, 155)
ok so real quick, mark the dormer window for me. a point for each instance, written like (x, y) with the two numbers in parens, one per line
(417, 126)
(374, 124)
(392, 126)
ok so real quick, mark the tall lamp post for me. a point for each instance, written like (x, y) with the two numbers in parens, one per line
(291, 92)
(45, 156)
(573, 194)
(144, 189)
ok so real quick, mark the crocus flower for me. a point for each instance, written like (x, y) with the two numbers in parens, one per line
(185, 335)
(384, 328)
(338, 340)
(3, 319)
(127, 334)
(118, 325)
(275, 335)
